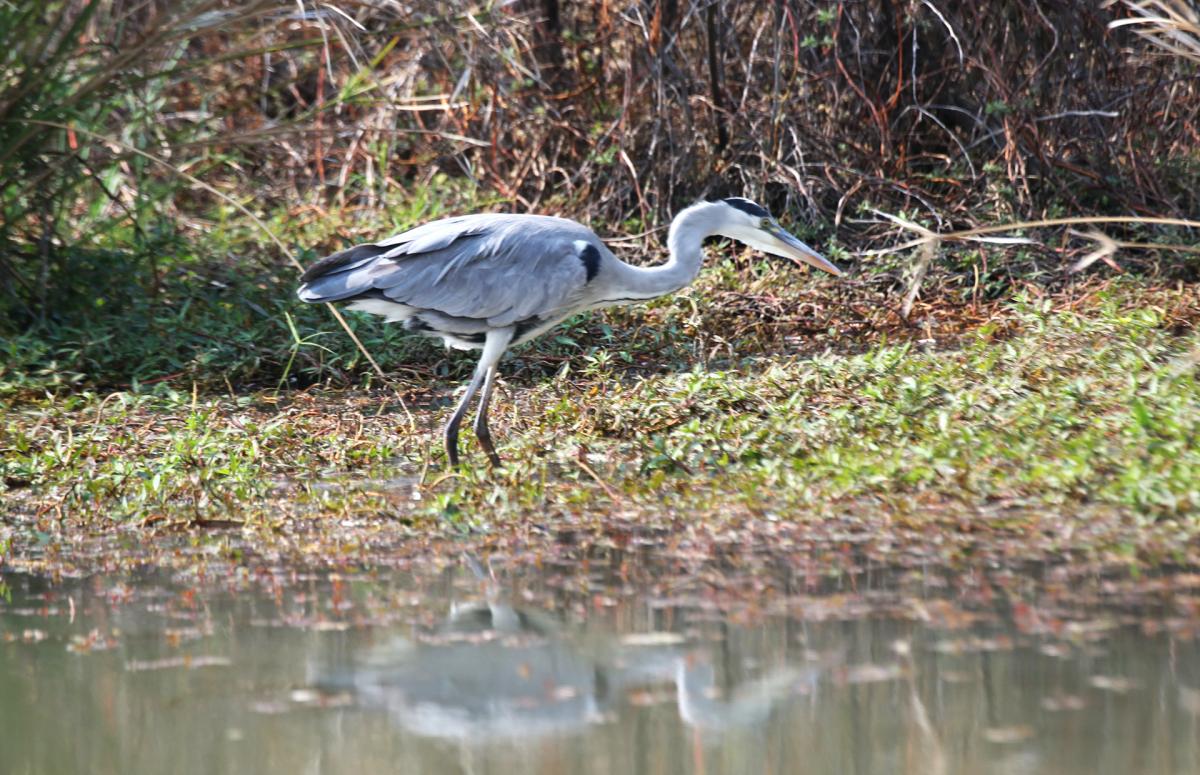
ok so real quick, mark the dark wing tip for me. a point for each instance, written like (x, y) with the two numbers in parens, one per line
(323, 266)
(747, 206)
(343, 258)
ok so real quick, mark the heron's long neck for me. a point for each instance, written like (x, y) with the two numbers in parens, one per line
(684, 242)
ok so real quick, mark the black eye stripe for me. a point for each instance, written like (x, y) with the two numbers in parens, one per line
(746, 206)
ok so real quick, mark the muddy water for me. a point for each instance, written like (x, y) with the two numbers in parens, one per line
(469, 670)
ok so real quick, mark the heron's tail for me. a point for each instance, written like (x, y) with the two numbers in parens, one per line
(340, 276)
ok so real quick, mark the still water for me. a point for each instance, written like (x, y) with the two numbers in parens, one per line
(466, 669)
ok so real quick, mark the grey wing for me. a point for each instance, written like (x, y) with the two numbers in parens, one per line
(498, 268)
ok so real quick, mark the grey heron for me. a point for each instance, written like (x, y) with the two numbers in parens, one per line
(490, 281)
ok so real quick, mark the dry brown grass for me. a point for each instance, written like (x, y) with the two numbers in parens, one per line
(627, 111)
(949, 116)
(1172, 25)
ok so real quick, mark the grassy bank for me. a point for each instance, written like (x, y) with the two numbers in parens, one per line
(168, 165)
(1070, 423)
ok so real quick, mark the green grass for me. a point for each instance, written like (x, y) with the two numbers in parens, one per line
(1041, 411)
(216, 307)
(156, 368)
(1101, 407)
(205, 393)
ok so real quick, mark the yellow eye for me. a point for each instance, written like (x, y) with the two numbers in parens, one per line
(766, 223)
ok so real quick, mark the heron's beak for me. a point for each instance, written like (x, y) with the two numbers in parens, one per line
(777, 241)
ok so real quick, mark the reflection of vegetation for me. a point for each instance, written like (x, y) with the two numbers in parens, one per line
(5, 592)
(912, 672)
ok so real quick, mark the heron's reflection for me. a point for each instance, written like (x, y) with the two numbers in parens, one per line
(494, 671)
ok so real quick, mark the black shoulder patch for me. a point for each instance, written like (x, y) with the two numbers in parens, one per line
(591, 261)
(746, 206)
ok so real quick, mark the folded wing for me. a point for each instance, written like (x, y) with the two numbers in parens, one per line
(498, 268)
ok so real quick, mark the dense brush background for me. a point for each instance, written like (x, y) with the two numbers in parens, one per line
(336, 121)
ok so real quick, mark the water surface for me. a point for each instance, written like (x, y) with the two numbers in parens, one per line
(594, 669)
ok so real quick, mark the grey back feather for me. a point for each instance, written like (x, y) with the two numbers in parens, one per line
(500, 268)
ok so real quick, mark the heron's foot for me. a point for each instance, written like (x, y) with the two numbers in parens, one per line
(485, 437)
(452, 446)
(485, 441)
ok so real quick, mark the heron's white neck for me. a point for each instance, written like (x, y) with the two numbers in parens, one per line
(685, 245)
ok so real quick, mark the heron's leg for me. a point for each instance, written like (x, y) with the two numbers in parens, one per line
(459, 412)
(481, 427)
(493, 347)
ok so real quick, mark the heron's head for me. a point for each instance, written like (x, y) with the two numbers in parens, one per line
(750, 224)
